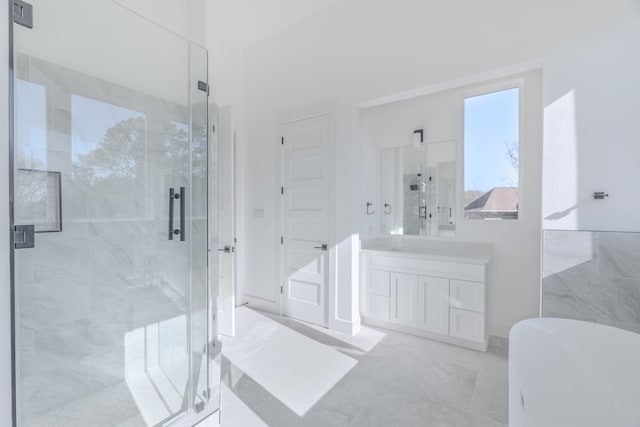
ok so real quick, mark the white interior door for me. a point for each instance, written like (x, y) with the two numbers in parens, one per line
(305, 198)
(226, 221)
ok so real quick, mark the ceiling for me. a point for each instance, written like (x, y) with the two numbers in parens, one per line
(246, 22)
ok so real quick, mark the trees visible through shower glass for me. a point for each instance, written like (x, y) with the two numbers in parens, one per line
(112, 316)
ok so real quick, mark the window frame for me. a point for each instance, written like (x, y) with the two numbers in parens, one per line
(486, 89)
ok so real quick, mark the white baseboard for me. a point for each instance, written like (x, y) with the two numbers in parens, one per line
(499, 329)
(424, 334)
(261, 304)
(345, 327)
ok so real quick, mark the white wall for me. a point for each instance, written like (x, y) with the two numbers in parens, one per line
(245, 22)
(513, 274)
(592, 131)
(360, 50)
(184, 17)
(5, 290)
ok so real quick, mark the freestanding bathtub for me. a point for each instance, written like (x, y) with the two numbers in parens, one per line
(569, 373)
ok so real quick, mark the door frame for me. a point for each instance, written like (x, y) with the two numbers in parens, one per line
(329, 109)
(10, 387)
(233, 177)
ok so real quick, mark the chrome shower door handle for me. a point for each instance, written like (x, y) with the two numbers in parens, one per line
(182, 213)
(171, 197)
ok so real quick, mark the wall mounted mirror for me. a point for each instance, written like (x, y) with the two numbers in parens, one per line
(418, 190)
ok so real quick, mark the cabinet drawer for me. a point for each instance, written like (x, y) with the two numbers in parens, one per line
(378, 307)
(467, 325)
(412, 264)
(378, 282)
(467, 295)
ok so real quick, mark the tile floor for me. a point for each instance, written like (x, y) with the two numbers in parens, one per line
(295, 369)
(396, 379)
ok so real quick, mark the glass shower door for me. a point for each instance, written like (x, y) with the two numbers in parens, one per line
(110, 204)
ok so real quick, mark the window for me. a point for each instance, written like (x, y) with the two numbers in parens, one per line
(491, 155)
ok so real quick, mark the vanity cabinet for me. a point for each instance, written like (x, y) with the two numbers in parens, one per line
(426, 295)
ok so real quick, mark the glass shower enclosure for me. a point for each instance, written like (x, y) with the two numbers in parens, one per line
(113, 309)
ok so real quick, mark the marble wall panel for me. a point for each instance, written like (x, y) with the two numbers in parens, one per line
(592, 276)
(112, 253)
(410, 222)
(53, 302)
(69, 344)
(53, 389)
(61, 256)
(619, 255)
(26, 344)
(564, 250)
(107, 368)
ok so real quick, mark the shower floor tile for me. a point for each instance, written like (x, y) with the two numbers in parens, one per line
(112, 407)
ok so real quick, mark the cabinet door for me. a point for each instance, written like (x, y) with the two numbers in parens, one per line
(378, 307)
(433, 304)
(468, 325)
(404, 299)
(467, 295)
(378, 282)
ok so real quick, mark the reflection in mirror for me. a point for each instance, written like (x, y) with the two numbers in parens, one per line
(418, 190)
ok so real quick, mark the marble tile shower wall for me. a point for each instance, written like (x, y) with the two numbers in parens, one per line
(592, 276)
(410, 221)
(110, 271)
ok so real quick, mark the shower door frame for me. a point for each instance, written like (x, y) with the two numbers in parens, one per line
(12, 276)
(186, 418)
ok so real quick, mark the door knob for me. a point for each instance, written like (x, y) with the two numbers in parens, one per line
(226, 249)
(323, 247)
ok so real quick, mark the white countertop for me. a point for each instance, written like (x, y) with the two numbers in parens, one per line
(467, 252)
